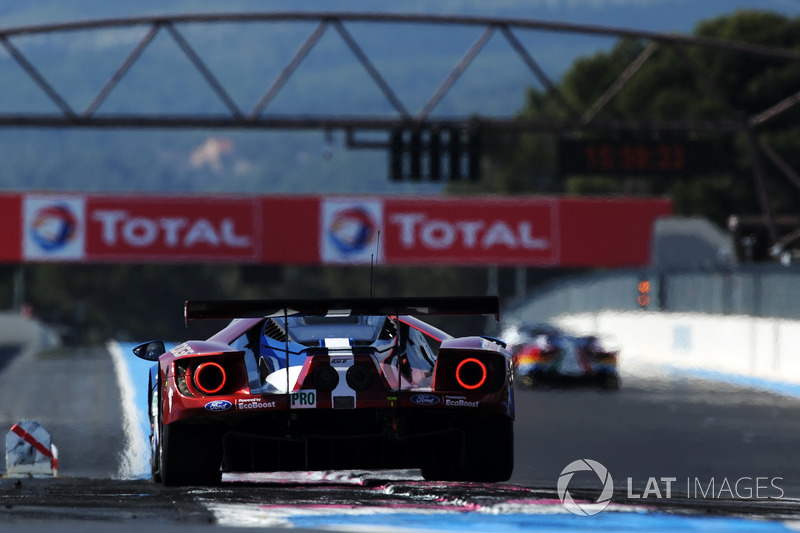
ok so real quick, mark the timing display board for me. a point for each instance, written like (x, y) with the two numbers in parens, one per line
(635, 157)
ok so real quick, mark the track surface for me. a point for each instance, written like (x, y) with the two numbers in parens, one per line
(690, 430)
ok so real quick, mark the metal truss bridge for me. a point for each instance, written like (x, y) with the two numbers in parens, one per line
(259, 114)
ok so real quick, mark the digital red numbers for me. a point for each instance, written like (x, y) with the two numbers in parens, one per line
(635, 157)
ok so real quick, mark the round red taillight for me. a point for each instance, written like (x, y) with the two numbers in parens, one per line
(471, 373)
(209, 377)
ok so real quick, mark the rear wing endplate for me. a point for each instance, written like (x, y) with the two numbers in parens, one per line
(447, 305)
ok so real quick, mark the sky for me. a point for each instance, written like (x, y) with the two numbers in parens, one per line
(554, 55)
(656, 15)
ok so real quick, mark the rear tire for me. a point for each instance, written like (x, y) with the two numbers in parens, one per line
(155, 439)
(610, 382)
(189, 455)
(488, 454)
(155, 454)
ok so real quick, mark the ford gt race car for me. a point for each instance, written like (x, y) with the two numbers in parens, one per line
(545, 354)
(331, 385)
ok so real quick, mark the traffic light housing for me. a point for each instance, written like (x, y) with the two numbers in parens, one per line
(432, 153)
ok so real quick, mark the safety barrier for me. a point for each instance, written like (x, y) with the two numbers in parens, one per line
(752, 347)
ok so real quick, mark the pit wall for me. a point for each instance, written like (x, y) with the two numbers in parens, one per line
(750, 347)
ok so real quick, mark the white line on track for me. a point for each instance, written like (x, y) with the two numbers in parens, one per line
(133, 460)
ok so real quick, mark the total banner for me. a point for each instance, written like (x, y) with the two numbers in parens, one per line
(526, 231)
(296, 230)
(478, 231)
(178, 229)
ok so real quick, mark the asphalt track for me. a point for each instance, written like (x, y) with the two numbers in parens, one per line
(727, 454)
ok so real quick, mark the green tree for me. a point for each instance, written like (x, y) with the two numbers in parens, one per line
(667, 88)
(89, 304)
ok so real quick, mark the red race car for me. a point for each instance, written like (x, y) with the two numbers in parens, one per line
(330, 385)
(545, 354)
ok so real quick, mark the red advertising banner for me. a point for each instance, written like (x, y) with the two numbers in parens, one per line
(608, 232)
(163, 228)
(10, 228)
(290, 230)
(293, 230)
(477, 231)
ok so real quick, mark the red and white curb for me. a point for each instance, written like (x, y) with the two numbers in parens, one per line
(30, 451)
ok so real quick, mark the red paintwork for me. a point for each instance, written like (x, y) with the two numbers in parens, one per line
(185, 408)
(379, 395)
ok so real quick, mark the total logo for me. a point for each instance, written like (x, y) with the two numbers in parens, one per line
(118, 225)
(438, 234)
(54, 227)
(350, 230)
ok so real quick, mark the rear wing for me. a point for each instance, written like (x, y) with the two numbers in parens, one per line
(448, 305)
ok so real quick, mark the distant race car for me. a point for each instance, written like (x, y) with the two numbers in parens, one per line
(332, 385)
(545, 354)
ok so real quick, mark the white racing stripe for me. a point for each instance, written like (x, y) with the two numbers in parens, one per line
(134, 458)
(341, 355)
(337, 344)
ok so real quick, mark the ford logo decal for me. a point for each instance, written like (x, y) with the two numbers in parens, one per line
(218, 406)
(425, 399)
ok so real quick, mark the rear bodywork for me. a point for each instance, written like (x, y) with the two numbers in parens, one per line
(334, 385)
